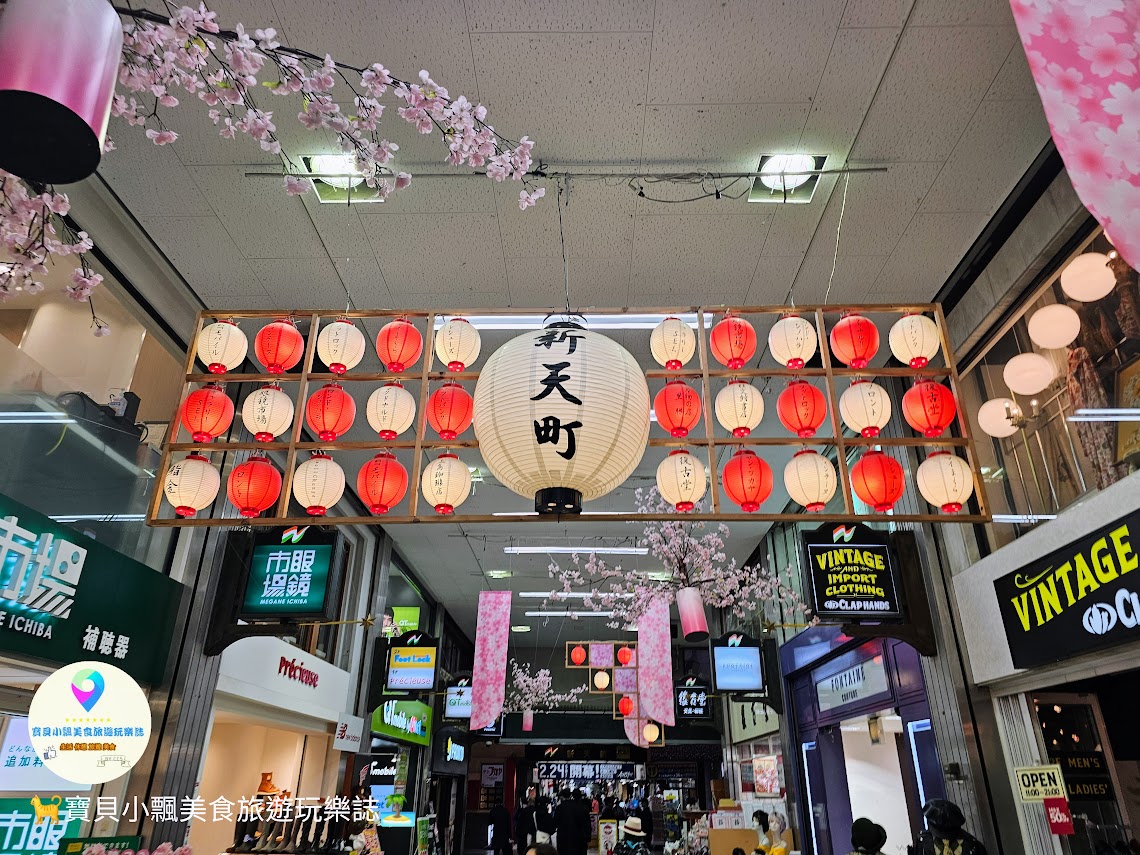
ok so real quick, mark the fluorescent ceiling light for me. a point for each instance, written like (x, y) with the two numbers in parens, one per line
(70, 518)
(566, 595)
(546, 613)
(779, 171)
(1023, 518)
(36, 419)
(576, 550)
(520, 627)
(339, 170)
(536, 321)
(500, 574)
(1106, 414)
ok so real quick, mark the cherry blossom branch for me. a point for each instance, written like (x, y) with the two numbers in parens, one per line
(535, 692)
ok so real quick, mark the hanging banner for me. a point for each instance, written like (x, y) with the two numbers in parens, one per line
(655, 663)
(1059, 817)
(489, 678)
(850, 575)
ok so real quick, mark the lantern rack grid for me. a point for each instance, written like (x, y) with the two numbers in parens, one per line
(426, 372)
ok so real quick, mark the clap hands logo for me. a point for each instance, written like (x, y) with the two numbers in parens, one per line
(87, 686)
(734, 640)
(842, 532)
(293, 535)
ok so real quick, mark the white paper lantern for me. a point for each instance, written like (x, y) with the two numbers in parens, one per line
(601, 680)
(1054, 326)
(562, 415)
(739, 407)
(1028, 373)
(945, 480)
(267, 413)
(672, 343)
(318, 484)
(681, 479)
(341, 346)
(457, 344)
(222, 346)
(997, 416)
(792, 341)
(446, 483)
(1087, 277)
(191, 484)
(391, 409)
(650, 732)
(865, 407)
(810, 480)
(914, 340)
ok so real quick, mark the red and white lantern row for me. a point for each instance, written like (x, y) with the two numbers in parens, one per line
(865, 407)
(747, 480)
(854, 340)
(945, 481)
(382, 482)
(279, 346)
(672, 343)
(810, 480)
(222, 346)
(446, 483)
(330, 412)
(191, 484)
(457, 344)
(681, 479)
(792, 341)
(739, 407)
(254, 486)
(678, 408)
(399, 344)
(341, 346)
(449, 410)
(391, 410)
(318, 484)
(267, 413)
(733, 342)
(207, 413)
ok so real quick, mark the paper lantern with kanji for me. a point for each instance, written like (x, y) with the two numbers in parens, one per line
(865, 407)
(222, 346)
(681, 479)
(457, 344)
(914, 340)
(625, 705)
(578, 654)
(449, 410)
(279, 346)
(318, 484)
(391, 410)
(399, 345)
(672, 343)
(792, 341)
(733, 341)
(877, 479)
(382, 482)
(801, 408)
(330, 412)
(747, 480)
(267, 413)
(254, 486)
(739, 407)
(446, 483)
(341, 346)
(854, 340)
(945, 480)
(678, 408)
(929, 407)
(191, 484)
(207, 413)
(810, 480)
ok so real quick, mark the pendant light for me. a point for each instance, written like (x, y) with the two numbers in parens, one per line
(449, 410)
(733, 341)
(382, 482)
(1087, 278)
(929, 407)
(678, 408)
(747, 480)
(739, 407)
(691, 611)
(207, 413)
(854, 340)
(254, 486)
(318, 484)
(399, 345)
(191, 484)
(877, 479)
(914, 340)
(945, 481)
(279, 346)
(801, 408)
(672, 343)
(267, 413)
(391, 410)
(999, 417)
(681, 479)
(446, 483)
(1028, 373)
(865, 407)
(792, 341)
(1054, 326)
(221, 346)
(341, 346)
(457, 344)
(330, 412)
(810, 480)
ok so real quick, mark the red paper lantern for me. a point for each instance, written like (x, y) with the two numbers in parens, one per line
(733, 341)
(678, 408)
(399, 344)
(382, 482)
(449, 410)
(929, 407)
(747, 480)
(279, 346)
(254, 486)
(207, 413)
(878, 480)
(624, 655)
(854, 340)
(801, 408)
(578, 655)
(625, 705)
(330, 411)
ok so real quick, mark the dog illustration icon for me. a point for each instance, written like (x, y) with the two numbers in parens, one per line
(46, 812)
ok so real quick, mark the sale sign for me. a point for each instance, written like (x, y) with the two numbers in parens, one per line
(1059, 816)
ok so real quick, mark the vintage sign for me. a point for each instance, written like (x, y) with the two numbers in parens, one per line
(412, 661)
(563, 771)
(737, 663)
(289, 575)
(857, 683)
(348, 733)
(1074, 600)
(850, 574)
(693, 699)
(1059, 817)
(406, 721)
(1037, 783)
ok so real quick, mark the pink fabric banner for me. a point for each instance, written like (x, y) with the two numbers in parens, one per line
(1085, 59)
(655, 663)
(489, 677)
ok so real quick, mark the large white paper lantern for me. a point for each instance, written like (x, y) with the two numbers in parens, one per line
(681, 479)
(997, 417)
(739, 407)
(810, 480)
(457, 344)
(222, 346)
(1087, 277)
(341, 346)
(672, 343)
(446, 483)
(914, 340)
(390, 411)
(865, 407)
(1028, 373)
(945, 480)
(191, 484)
(792, 341)
(318, 484)
(1054, 326)
(562, 416)
(267, 413)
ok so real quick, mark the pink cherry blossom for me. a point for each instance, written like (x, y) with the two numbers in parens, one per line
(161, 137)
(1123, 145)
(1107, 56)
(1125, 101)
(296, 186)
(1068, 81)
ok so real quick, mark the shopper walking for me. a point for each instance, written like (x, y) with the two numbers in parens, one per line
(524, 825)
(867, 838)
(945, 832)
(500, 819)
(567, 824)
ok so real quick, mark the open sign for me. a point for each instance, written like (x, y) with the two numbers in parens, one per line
(1038, 783)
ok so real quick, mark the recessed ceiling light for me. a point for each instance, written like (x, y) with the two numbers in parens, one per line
(567, 595)
(576, 550)
(339, 170)
(500, 574)
(546, 613)
(787, 178)
(520, 627)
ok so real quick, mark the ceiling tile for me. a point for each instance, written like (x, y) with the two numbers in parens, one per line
(930, 249)
(451, 300)
(984, 13)
(699, 197)
(198, 140)
(362, 277)
(131, 169)
(854, 277)
(695, 255)
(729, 136)
(533, 232)
(794, 225)
(462, 193)
(301, 283)
(594, 282)
(527, 16)
(875, 13)
(772, 278)
(598, 219)
(254, 14)
(1014, 81)
(339, 227)
(203, 252)
(438, 253)
(240, 302)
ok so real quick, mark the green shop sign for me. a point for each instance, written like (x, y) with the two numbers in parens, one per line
(407, 721)
(65, 597)
(287, 580)
(21, 832)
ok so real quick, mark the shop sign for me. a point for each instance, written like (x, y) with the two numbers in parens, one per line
(289, 575)
(66, 597)
(402, 620)
(1059, 817)
(76, 845)
(448, 752)
(693, 700)
(736, 663)
(1074, 600)
(491, 774)
(857, 683)
(408, 721)
(1087, 777)
(495, 728)
(35, 826)
(411, 662)
(673, 772)
(1037, 783)
(850, 574)
(457, 703)
(423, 835)
(348, 733)
(274, 672)
(378, 768)
(562, 771)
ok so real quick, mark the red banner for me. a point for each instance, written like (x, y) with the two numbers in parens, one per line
(489, 678)
(1059, 816)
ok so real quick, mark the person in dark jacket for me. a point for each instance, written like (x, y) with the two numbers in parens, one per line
(945, 831)
(500, 819)
(524, 825)
(567, 824)
(585, 827)
(646, 815)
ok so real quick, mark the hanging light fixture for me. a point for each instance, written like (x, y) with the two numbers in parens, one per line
(672, 343)
(865, 407)
(678, 408)
(191, 484)
(601, 680)
(318, 484)
(733, 341)
(625, 705)
(810, 480)
(739, 407)
(747, 480)
(254, 486)
(1054, 326)
(399, 344)
(792, 341)
(877, 479)
(279, 346)
(578, 654)
(801, 408)
(914, 340)
(1087, 278)
(330, 412)
(681, 480)
(929, 407)
(449, 410)
(624, 655)
(651, 732)
(267, 412)
(945, 481)
(222, 346)
(854, 340)
(341, 346)
(207, 413)
(1028, 373)
(691, 611)
(382, 482)
(446, 483)
(999, 417)
(391, 410)
(457, 344)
